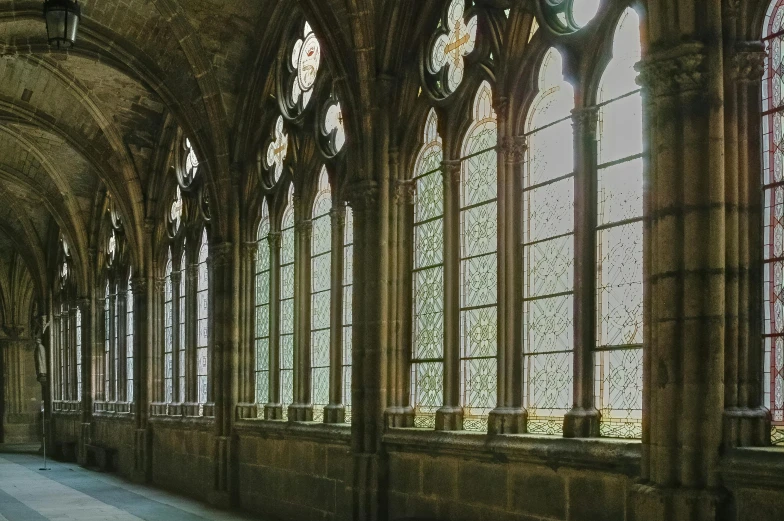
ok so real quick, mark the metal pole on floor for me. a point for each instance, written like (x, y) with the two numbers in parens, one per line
(43, 426)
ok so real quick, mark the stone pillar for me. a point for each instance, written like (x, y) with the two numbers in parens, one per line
(301, 409)
(450, 416)
(583, 419)
(335, 411)
(746, 420)
(21, 410)
(273, 410)
(191, 398)
(247, 406)
(686, 272)
(509, 416)
(400, 412)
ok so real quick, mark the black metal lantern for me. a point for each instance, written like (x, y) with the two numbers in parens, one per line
(62, 22)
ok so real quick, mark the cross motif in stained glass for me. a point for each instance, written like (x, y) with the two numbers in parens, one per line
(305, 62)
(277, 150)
(451, 48)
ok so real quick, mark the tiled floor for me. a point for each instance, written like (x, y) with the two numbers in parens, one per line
(68, 492)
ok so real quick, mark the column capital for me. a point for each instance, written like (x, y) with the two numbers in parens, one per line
(451, 169)
(138, 285)
(84, 303)
(678, 69)
(304, 226)
(585, 120)
(338, 215)
(363, 195)
(160, 284)
(274, 239)
(405, 191)
(747, 63)
(250, 250)
(220, 254)
(514, 148)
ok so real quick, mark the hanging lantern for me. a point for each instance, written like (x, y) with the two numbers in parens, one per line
(62, 22)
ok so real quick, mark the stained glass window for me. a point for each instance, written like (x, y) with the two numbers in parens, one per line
(64, 352)
(277, 150)
(427, 361)
(191, 167)
(181, 332)
(320, 300)
(773, 180)
(116, 346)
(456, 41)
(168, 331)
(107, 349)
(619, 283)
(333, 127)
(287, 305)
(305, 63)
(129, 341)
(548, 252)
(78, 355)
(478, 264)
(202, 322)
(348, 281)
(262, 335)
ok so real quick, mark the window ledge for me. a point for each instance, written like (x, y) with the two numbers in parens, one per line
(606, 454)
(186, 422)
(66, 407)
(754, 466)
(281, 429)
(113, 408)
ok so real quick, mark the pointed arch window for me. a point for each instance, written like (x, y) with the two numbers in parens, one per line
(168, 330)
(773, 218)
(619, 238)
(321, 304)
(478, 263)
(548, 251)
(202, 322)
(427, 363)
(287, 258)
(262, 333)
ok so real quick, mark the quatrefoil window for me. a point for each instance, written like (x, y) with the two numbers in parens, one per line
(447, 58)
(305, 62)
(333, 127)
(568, 16)
(277, 150)
(175, 214)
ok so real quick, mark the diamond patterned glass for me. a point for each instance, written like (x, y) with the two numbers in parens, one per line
(320, 299)
(181, 333)
(479, 264)
(619, 282)
(773, 254)
(78, 355)
(348, 282)
(262, 294)
(128, 342)
(287, 305)
(107, 344)
(427, 361)
(168, 331)
(202, 321)
(548, 252)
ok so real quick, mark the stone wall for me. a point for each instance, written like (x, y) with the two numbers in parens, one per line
(21, 421)
(183, 456)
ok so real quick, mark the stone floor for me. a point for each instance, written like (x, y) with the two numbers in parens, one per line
(69, 492)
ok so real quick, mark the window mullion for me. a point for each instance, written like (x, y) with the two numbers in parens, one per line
(335, 411)
(272, 410)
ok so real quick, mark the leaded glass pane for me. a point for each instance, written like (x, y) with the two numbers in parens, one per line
(348, 281)
(548, 251)
(181, 332)
(773, 232)
(428, 279)
(202, 324)
(619, 284)
(305, 62)
(287, 305)
(79, 355)
(321, 283)
(478, 264)
(129, 343)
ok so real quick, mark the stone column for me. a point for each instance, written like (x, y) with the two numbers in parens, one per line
(142, 375)
(400, 412)
(450, 416)
(335, 412)
(583, 419)
(21, 392)
(301, 408)
(746, 420)
(509, 416)
(247, 406)
(273, 410)
(191, 398)
(685, 265)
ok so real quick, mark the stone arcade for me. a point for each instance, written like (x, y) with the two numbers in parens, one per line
(401, 259)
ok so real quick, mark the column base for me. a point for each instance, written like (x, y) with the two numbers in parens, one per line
(582, 423)
(652, 503)
(399, 417)
(300, 412)
(335, 414)
(142, 467)
(745, 427)
(449, 419)
(246, 411)
(84, 440)
(273, 411)
(507, 420)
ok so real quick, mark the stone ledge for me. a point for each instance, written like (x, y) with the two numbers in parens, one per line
(184, 422)
(603, 454)
(311, 431)
(118, 416)
(754, 466)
